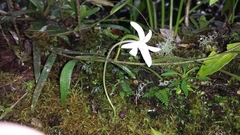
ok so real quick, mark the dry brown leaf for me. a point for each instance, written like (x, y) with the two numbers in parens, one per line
(170, 33)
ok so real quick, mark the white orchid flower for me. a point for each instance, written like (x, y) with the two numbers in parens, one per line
(141, 44)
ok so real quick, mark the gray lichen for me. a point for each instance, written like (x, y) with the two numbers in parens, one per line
(167, 46)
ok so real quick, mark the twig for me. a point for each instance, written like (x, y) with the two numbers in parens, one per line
(193, 9)
(5, 37)
(79, 18)
(142, 17)
(10, 7)
(61, 9)
(12, 106)
(187, 9)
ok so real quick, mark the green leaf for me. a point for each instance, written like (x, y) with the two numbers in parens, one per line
(191, 86)
(85, 11)
(126, 89)
(126, 69)
(155, 132)
(54, 30)
(169, 72)
(73, 6)
(203, 23)
(90, 12)
(184, 87)
(139, 7)
(8, 109)
(1, 107)
(108, 33)
(152, 91)
(36, 60)
(194, 22)
(175, 83)
(122, 94)
(227, 5)
(65, 80)
(20, 12)
(162, 95)
(39, 4)
(213, 65)
(184, 67)
(42, 79)
(118, 6)
(192, 70)
(212, 2)
(65, 38)
(114, 27)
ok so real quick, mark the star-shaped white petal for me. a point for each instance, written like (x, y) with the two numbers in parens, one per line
(141, 44)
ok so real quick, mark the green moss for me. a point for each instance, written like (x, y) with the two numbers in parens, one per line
(87, 110)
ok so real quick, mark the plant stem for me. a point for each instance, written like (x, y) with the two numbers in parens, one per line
(154, 16)
(104, 78)
(193, 9)
(234, 5)
(102, 59)
(150, 13)
(171, 15)
(163, 14)
(178, 18)
(79, 18)
(188, 5)
(12, 106)
(13, 18)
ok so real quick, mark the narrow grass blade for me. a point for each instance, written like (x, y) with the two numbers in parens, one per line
(65, 80)
(118, 6)
(231, 74)
(42, 79)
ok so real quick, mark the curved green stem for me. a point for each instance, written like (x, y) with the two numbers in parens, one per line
(123, 38)
(104, 77)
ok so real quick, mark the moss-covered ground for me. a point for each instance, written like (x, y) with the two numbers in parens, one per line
(211, 109)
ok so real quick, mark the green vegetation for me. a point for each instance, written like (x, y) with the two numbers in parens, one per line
(66, 70)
